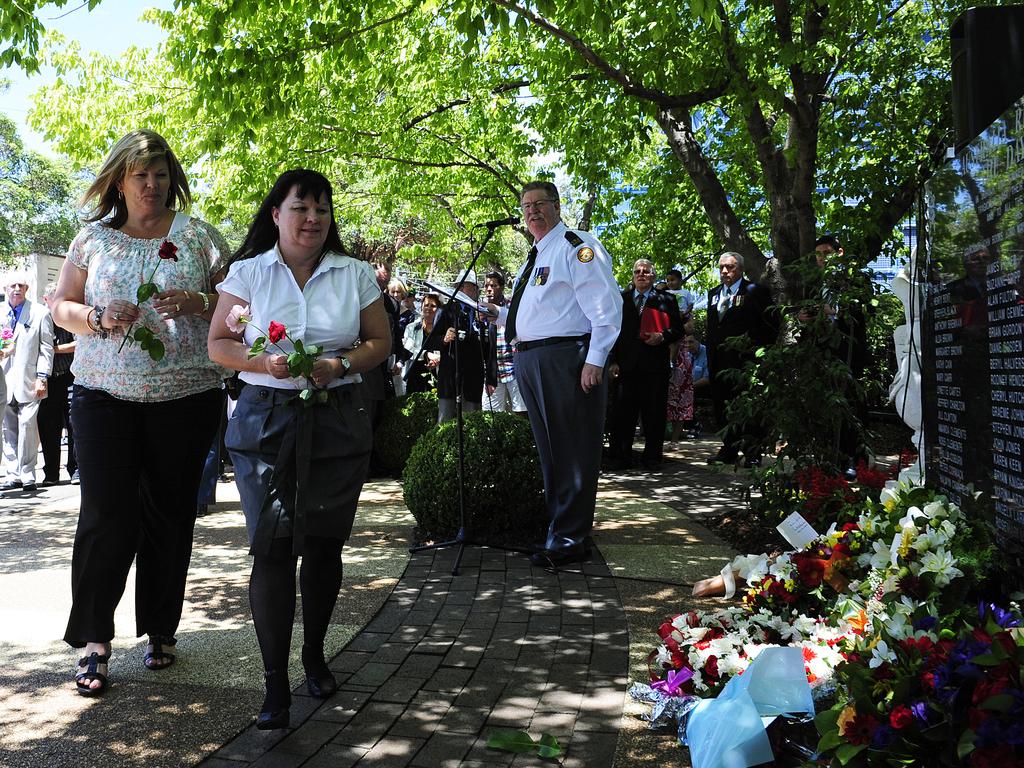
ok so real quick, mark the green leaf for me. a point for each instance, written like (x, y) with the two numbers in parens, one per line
(306, 394)
(965, 746)
(298, 346)
(847, 752)
(511, 741)
(549, 747)
(156, 349)
(143, 335)
(1001, 702)
(829, 741)
(145, 291)
(258, 346)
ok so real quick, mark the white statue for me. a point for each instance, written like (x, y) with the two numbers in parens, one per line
(905, 391)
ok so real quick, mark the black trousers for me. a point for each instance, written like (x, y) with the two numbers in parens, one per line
(640, 394)
(140, 465)
(52, 418)
(568, 427)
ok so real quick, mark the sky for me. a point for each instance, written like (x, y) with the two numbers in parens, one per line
(109, 29)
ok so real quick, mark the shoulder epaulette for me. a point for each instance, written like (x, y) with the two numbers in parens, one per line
(573, 238)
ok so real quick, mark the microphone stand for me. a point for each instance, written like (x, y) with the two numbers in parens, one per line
(461, 538)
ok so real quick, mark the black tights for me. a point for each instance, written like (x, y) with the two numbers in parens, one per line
(272, 596)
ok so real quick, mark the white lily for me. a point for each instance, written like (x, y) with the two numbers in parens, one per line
(881, 654)
(942, 564)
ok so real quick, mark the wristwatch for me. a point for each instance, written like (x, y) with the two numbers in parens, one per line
(346, 364)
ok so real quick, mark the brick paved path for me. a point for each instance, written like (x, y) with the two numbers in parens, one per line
(449, 659)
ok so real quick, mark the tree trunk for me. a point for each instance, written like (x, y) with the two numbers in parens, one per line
(678, 128)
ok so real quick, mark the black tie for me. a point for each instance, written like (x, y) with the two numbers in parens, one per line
(641, 303)
(517, 295)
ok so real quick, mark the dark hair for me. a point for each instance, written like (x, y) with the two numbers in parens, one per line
(675, 273)
(262, 234)
(830, 240)
(496, 277)
(546, 186)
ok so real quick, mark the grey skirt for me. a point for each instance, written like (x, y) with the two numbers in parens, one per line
(299, 469)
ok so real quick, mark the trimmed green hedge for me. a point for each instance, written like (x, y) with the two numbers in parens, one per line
(503, 487)
(403, 421)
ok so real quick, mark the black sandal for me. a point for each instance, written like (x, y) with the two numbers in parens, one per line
(159, 658)
(92, 664)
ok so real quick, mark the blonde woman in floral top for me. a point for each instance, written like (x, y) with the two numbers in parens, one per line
(145, 407)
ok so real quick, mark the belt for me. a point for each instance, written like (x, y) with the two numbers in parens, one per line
(522, 346)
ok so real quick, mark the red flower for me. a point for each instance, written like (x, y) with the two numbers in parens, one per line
(810, 568)
(900, 717)
(168, 250)
(988, 687)
(711, 667)
(981, 635)
(994, 757)
(276, 331)
(861, 729)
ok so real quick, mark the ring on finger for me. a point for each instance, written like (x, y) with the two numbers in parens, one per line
(177, 308)
(117, 315)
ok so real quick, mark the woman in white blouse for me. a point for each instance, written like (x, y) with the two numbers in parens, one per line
(143, 422)
(299, 467)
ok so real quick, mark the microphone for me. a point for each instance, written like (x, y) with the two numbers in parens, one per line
(509, 220)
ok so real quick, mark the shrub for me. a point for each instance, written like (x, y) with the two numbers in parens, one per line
(503, 488)
(403, 420)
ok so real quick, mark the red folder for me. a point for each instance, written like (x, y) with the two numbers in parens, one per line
(653, 321)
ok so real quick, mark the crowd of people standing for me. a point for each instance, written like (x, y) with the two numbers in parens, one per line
(152, 313)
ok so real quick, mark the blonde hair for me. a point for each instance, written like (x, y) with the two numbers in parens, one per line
(138, 149)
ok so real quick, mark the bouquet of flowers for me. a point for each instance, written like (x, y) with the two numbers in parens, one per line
(300, 360)
(702, 650)
(952, 696)
(799, 579)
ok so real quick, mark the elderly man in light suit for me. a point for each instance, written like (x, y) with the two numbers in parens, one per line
(27, 360)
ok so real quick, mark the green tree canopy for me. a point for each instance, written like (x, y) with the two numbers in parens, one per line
(37, 200)
(750, 126)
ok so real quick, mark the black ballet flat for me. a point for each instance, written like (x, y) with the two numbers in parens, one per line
(320, 681)
(274, 713)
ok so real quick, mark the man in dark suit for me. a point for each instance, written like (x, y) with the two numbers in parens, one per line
(641, 364)
(736, 308)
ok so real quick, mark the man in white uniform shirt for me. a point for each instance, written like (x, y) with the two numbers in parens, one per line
(565, 314)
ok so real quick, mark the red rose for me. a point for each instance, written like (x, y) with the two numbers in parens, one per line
(711, 667)
(168, 250)
(901, 716)
(276, 331)
(989, 687)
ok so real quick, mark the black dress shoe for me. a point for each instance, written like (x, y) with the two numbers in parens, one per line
(10, 485)
(29, 487)
(48, 481)
(275, 713)
(555, 558)
(320, 681)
